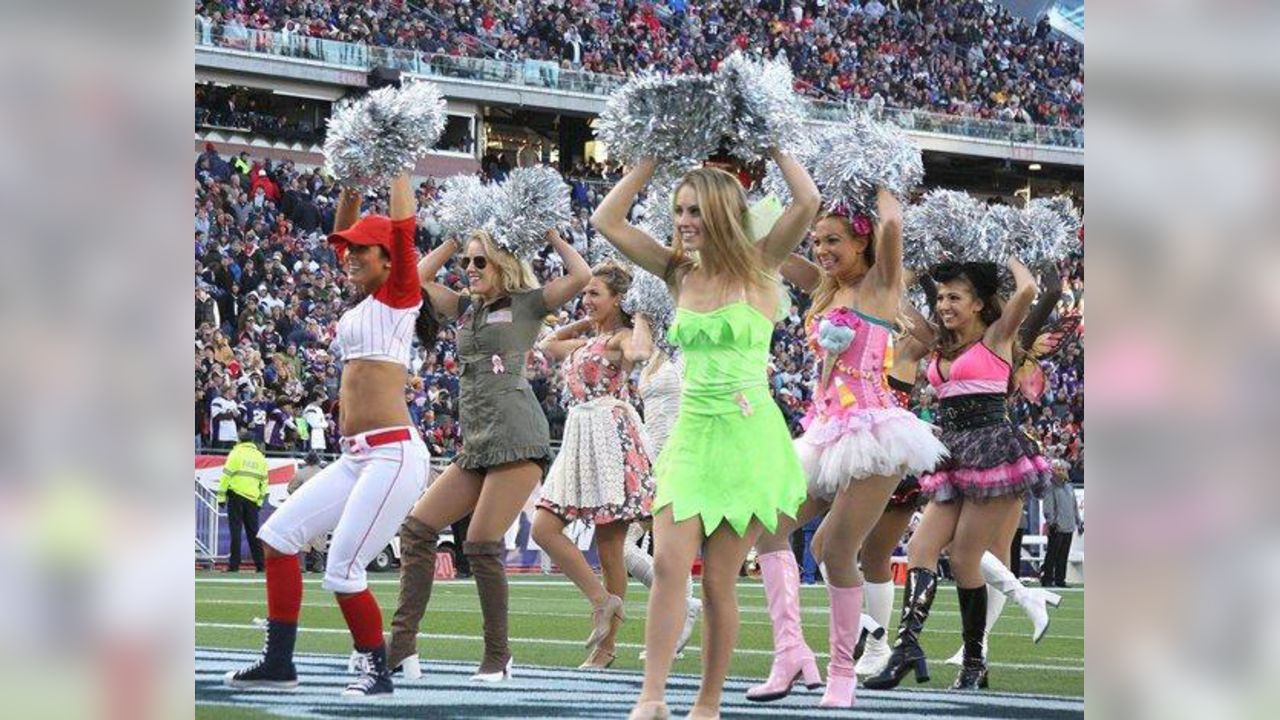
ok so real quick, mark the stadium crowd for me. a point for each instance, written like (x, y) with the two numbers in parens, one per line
(268, 293)
(962, 57)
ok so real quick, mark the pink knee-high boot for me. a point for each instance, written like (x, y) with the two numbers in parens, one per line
(846, 625)
(792, 658)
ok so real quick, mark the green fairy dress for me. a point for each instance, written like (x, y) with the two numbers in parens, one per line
(729, 456)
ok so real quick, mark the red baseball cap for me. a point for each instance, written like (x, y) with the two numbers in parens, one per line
(368, 230)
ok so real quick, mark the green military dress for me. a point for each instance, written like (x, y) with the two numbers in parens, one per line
(501, 419)
(729, 457)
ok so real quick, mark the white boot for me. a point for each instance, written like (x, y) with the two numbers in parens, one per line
(639, 564)
(877, 598)
(1033, 601)
(995, 605)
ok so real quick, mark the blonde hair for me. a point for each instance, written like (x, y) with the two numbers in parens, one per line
(727, 248)
(514, 274)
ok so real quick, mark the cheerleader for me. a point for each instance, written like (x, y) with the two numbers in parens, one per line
(857, 442)
(991, 465)
(728, 470)
(602, 472)
(659, 388)
(1002, 580)
(363, 496)
(505, 441)
(876, 558)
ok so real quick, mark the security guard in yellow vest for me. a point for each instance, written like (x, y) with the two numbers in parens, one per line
(245, 476)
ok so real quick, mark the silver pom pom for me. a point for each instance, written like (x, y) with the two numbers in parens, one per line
(668, 117)
(1051, 229)
(767, 111)
(853, 161)
(465, 205)
(650, 296)
(532, 201)
(805, 152)
(653, 215)
(600, 250)
(999, 228)
(374, 138)
(944, 225)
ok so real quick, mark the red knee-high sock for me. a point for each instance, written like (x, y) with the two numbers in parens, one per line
(364, 618)
(284, 588)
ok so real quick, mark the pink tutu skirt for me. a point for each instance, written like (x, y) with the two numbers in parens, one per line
(988, 462)
(856, 444)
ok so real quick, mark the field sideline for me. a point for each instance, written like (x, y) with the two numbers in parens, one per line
(550, 619)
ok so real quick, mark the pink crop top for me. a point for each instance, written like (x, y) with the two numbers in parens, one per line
(381, 326)
(976, 370)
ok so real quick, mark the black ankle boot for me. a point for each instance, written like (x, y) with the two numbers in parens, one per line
(275, 668)
(907, 655)
(375, 677)
(973, 620)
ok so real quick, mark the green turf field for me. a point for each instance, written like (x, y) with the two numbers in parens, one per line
(550, 619)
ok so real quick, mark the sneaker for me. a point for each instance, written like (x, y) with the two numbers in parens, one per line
(375, 678)
(264, 674)
(275, 668)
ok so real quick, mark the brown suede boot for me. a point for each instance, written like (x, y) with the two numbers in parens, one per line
(417, 573)
(489, 569)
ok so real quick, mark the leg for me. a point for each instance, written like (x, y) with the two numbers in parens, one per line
(933, 534)
(997, 556)
(877, 569)
(459, 529)
(548, 532)
(674, 547)
(977, 527)
(502, 497)
(724, 552)
(639, 563)
(609, 541)
(854, 512)
(314, 509)
(251, 529)
(792, 657)
(235, 523)
(452, 495)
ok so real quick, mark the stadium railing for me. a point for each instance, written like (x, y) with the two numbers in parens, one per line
(549, 75)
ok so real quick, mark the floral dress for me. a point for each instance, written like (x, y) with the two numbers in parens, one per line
(603, 472)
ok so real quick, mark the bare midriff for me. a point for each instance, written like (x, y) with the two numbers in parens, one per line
(372, 396)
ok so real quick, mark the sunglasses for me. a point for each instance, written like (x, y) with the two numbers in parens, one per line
(480, 261)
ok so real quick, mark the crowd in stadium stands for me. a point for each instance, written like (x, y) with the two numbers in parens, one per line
(236, 108)
(961, 57)
(269, 292)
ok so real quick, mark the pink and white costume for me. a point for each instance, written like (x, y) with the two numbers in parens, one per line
(854, 428)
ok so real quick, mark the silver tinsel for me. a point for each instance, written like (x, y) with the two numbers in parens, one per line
(654, 214)
(649, 295)
(767, 111)
(532, 201)
(466, 204)
(805, 152)
(668, 117)
(1050, 230)
(600, 250)
(374, 138)
(999, 228)
(853, 161)
(943, 225)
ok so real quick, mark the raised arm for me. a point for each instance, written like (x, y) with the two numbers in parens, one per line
(430, 264)
(348, 210)
(918, 326)
(610, 218)
(639, 343)
(1004, 330)
(887, 271)
(402, 289)
(1040, 312)
(800, 272)
(562, 341)
(787, 233)
(577, 273)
